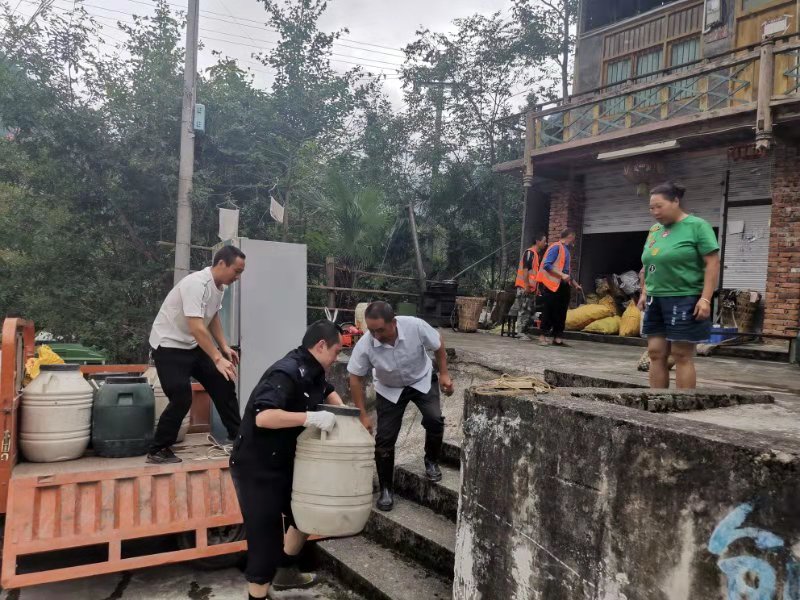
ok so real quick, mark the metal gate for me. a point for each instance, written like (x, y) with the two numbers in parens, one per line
(613, 206)
(747, 248)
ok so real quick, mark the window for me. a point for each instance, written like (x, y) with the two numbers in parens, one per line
(752, 5)
(682, 53)
(616, 72)
(646, 65)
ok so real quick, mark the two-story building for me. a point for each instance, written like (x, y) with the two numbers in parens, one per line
(705, 93)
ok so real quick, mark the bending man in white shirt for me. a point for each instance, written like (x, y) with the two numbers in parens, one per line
(187, 341)
(396, 350)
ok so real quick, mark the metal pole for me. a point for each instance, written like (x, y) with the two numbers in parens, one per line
(183, 229)
(420, 268)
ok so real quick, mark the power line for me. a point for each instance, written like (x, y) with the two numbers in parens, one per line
(261, 24)
(254, 45)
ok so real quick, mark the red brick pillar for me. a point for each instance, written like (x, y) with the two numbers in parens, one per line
(566, 211)
(782, 302)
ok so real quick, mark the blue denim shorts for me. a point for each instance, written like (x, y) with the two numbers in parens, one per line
(672, 317)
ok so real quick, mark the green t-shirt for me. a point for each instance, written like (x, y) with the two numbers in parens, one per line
(673, 257)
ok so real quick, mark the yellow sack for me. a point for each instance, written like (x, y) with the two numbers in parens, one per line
(607, 326)
(46, 357)
(580, 317)
(631, 321)
(610, 303)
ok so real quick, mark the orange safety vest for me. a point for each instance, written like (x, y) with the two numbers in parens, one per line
(520, 282)
(551, 282)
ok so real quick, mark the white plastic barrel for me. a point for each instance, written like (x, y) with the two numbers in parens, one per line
(162, 401)
(332, 487)
(361, 318)
(56, 415)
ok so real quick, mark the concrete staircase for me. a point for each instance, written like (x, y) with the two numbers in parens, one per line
(408, 553)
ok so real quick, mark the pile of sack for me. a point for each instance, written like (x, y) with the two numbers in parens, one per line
(602, 315)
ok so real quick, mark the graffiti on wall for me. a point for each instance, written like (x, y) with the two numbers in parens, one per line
(751, 577)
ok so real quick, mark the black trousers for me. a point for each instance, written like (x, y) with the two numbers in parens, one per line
(554, 313)
(176, 367)
(390, 421)
(264, 501)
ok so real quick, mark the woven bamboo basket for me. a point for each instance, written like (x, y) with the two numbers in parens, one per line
(469, 313)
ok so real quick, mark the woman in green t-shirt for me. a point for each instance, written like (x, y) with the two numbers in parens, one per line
(681, 269)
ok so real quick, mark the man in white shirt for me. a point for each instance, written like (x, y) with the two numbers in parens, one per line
(187, 341)
(396, 350)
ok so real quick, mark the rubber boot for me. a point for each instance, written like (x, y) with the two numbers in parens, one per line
(290, 578)
(385, 466)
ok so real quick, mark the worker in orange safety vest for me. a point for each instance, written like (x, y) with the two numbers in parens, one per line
(526, 283)
(556, 280)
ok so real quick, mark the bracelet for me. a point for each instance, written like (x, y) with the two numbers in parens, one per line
(706, 301)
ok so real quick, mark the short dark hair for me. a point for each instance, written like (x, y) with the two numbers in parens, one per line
(228, 255)
(567, 232)
(670, 191)
(540, 235)
(321, 330)
(380, 310)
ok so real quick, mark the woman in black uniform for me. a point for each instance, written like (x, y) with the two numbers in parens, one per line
(284, 401)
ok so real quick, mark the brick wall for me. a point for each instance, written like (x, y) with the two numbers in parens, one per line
(782, 302)
(567, 202)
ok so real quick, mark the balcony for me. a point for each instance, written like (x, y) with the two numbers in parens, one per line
(711, 89)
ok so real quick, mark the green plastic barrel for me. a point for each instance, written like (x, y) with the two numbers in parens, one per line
(122, 417)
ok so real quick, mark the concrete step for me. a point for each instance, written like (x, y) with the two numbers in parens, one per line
(416, 532)
(442, 497)
(451, 454)
(379, 573)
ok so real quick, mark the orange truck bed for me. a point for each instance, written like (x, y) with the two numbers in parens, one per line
(108, 503)
(104, 506)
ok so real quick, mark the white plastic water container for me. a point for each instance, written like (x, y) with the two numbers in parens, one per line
(161, 403)
(332, 487)
(56, 415)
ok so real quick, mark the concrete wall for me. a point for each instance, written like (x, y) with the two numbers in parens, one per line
(588, 65)
(569, 499)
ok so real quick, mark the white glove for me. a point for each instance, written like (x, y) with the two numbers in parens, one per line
(321, 419)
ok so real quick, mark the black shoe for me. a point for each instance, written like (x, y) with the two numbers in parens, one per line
(386, 500)
(165, 456)
(432, 471)
(290, 578)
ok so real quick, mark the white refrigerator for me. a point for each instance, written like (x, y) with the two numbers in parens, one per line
(264, 313)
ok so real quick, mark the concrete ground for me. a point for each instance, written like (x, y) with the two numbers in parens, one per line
(782, 380)
(172, 582)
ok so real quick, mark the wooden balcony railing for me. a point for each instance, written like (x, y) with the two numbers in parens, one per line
(706, 89)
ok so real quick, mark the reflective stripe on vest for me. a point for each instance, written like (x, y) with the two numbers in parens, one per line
(520, 282)
(551, 282)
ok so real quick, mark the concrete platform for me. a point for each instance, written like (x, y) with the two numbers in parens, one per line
(591, 364)
(527, 357)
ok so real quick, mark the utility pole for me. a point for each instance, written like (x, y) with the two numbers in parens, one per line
(183, 230)
(439, 87)
(417, 252)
